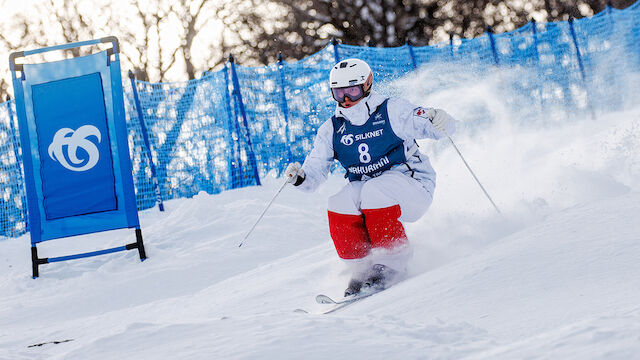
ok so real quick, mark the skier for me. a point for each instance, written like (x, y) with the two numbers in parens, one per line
(390, 181)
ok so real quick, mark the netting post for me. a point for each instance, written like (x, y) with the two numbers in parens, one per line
(238, 95)
(15, 145)
(285, 108)
(492, 40)
(234, 171)
(608, 8)
(147, 143)
(534, 30)
(335, 50)
(451, 44)
(412, 54)
(581, 66)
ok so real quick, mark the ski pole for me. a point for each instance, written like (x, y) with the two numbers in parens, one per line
(472, 173)
(265, 210)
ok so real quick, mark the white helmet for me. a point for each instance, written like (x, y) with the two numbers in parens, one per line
(347, 80)
(349, 72)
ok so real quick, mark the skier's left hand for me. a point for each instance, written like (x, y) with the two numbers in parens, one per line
(440, 119)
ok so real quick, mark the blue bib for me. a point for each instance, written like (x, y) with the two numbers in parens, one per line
(369, 149)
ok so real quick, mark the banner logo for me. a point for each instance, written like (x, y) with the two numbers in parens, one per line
(70, 140)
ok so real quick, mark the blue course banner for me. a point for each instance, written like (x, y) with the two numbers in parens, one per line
(74, 140)
(74, 147)
(73, 134)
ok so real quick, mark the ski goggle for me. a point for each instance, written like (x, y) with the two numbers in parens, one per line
(354, 93)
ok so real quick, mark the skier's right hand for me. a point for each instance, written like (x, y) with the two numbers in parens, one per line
(294, 173)
(440, 119)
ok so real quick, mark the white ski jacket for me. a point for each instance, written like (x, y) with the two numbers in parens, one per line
(408, 121)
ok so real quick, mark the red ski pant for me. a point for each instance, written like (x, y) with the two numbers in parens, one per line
(366, 215)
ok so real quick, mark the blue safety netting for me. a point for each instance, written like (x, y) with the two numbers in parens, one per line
(13, 203)
(232, 127)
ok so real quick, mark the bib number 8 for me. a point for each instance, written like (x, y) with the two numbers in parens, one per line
(363, 149)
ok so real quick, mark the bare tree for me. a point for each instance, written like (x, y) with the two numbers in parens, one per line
(305, 26)
(46, 24)
(161, 40)
(173, 40)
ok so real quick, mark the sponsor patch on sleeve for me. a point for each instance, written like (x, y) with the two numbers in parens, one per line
(421, 112)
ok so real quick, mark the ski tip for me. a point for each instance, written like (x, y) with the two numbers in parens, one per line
(324, 299)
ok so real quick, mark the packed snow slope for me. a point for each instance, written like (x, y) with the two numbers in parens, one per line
(555, 276)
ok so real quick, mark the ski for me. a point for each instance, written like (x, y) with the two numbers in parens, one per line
(339, 304)
(324, 299)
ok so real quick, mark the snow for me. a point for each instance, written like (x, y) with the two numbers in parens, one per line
(555, 276)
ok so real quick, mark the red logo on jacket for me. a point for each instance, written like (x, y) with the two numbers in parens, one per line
(422, 112)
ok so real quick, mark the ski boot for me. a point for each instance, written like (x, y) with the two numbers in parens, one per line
(379, 277)
(354, 287)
